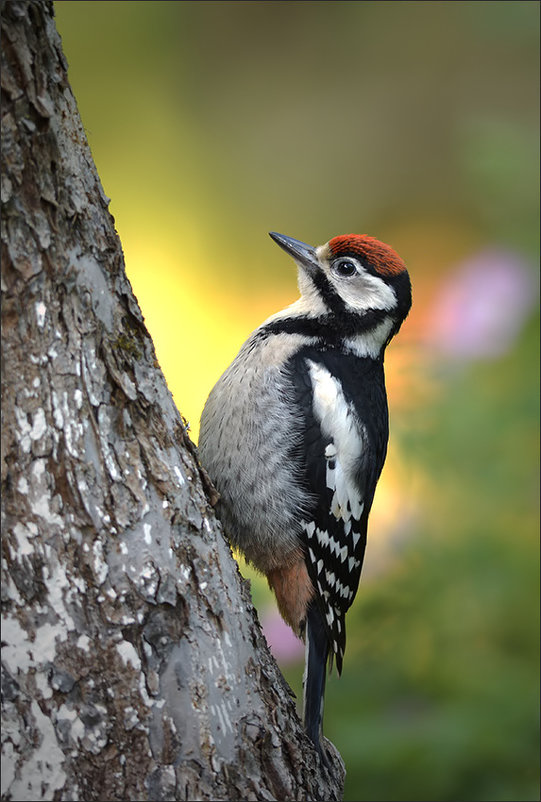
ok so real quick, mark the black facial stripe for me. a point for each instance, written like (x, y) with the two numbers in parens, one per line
(332, 328)
(330, 297)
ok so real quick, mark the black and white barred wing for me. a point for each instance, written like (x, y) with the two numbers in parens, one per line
(336, 449)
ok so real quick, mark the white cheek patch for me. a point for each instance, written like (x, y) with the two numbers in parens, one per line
(338, 422)
(365, 291)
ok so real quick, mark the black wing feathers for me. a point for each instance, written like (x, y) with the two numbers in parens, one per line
(334, 546)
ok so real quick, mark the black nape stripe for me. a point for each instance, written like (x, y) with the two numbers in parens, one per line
(333, 328)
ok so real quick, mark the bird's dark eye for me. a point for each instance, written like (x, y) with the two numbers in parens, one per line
(344, 267)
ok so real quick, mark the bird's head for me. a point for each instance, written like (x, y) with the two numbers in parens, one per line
(352, 274)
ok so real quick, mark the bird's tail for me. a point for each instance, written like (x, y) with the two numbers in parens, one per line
(317, 650)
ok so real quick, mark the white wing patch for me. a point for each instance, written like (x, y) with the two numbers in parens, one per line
(338, 422)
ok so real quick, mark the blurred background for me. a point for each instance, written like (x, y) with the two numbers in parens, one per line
(212, 123)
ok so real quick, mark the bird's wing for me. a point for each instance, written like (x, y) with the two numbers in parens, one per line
(339, 459)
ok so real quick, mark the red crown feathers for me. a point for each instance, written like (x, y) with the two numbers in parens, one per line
(380, 256)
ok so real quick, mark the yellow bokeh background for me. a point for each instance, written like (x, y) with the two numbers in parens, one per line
(213, 122)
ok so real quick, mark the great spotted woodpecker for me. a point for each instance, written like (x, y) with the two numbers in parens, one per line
(294, 437)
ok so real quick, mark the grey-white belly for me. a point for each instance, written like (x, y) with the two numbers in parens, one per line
(248, 442)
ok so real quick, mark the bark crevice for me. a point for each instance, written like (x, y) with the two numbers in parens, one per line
(133, 664)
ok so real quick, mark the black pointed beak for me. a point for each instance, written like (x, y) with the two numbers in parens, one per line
(304, 254)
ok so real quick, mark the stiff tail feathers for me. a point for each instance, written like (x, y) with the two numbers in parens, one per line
(317, 651)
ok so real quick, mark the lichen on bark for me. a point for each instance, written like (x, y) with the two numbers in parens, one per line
(133, 663)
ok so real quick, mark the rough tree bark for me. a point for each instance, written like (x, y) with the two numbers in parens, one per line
(133, 664)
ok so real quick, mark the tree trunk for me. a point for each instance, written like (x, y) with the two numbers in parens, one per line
(133, 663)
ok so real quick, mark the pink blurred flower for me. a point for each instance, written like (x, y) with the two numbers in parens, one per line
(481, 307)
(284, 645)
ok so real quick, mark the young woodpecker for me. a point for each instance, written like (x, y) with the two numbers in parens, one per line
(294, 437)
